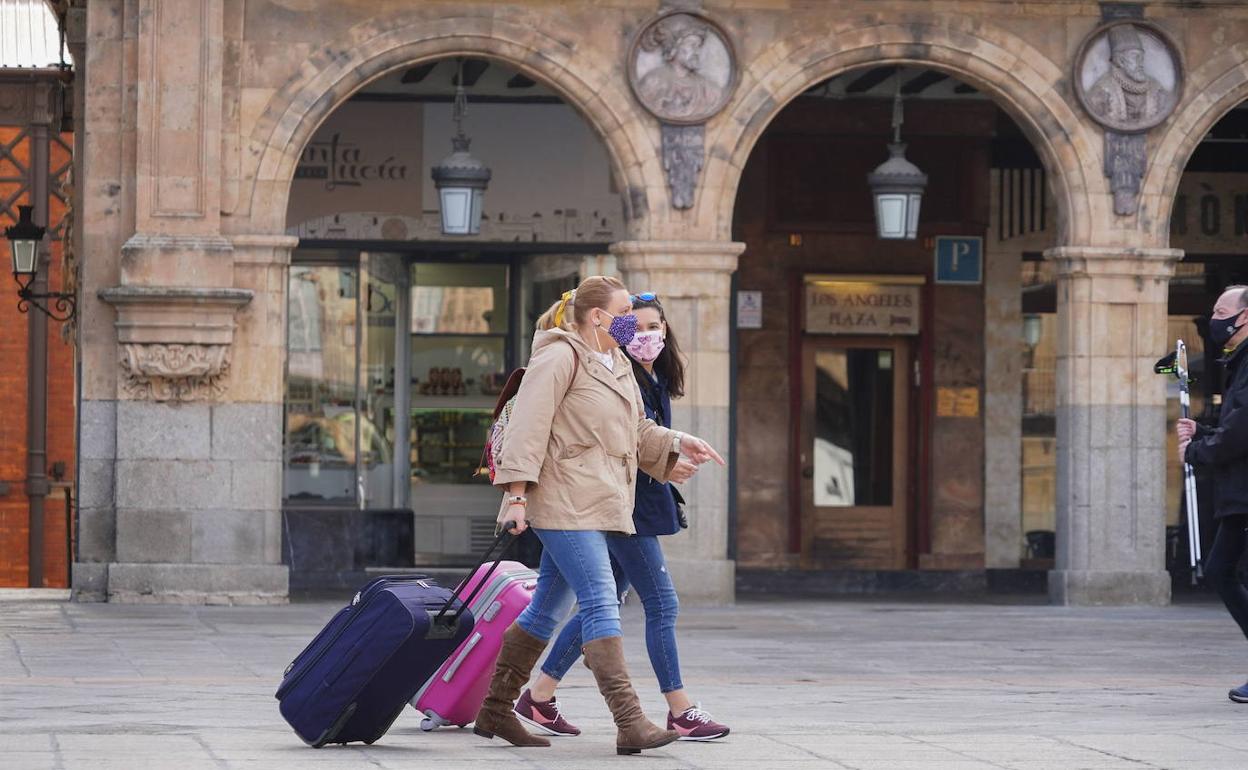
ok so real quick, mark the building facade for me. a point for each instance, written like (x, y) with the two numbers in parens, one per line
(287, 367)
(37, 383)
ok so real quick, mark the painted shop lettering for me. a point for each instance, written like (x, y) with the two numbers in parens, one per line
(863, 300)
(862, 320)
(343, 164)
(1207, 212)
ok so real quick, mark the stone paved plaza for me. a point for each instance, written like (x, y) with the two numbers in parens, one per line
(809, 684)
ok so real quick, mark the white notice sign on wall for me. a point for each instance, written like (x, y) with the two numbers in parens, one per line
(749, 310)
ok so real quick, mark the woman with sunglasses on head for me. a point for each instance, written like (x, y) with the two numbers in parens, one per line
(638, 561)
(577, 434)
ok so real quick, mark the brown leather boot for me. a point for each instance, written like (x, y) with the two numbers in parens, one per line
(515, 662)
(605, 657)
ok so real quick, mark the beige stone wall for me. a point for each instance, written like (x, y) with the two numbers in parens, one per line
(198, 111)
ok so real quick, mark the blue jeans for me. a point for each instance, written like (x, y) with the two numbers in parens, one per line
(640, 561)
(575, 566)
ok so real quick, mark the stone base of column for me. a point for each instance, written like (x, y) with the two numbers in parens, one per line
(1094, 588)
(704, 582)
(139, 583)
(89, 582)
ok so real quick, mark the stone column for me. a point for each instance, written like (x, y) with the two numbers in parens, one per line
(692, 279)
(1003, 411)
(185, 435)
(1111, 465)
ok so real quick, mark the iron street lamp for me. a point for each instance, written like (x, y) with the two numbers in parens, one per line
(460, 178)
(897, 185)
(24, 239)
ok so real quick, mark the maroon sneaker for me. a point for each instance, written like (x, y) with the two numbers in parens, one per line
(544, 716)
(696, 725)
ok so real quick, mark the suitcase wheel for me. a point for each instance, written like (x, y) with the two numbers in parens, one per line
(462, 726)
(428, 725)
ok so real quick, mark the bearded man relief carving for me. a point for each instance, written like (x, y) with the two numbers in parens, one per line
(1128, 78)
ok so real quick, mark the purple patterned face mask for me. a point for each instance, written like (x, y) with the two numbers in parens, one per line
(646, 346)
(623, 329)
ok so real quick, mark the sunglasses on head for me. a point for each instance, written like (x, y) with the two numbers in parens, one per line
(645, 296)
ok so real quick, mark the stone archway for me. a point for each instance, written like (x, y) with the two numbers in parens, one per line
(1021, 80)
(1109, 549)
(335, 72)
(1225, 79)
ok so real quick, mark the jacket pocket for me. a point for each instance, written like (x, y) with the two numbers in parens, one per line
(590, 482)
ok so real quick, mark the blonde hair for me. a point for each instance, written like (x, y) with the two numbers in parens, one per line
(594, 292)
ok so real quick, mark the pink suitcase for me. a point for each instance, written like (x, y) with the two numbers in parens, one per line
(454, 694)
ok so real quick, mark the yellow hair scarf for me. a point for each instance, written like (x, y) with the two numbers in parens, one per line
(568, 296)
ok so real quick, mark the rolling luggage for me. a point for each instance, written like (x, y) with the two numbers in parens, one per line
(454, 694)
(362, 669)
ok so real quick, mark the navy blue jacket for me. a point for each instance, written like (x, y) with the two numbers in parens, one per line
(654, 512)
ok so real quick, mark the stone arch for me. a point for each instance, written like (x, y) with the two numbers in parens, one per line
(1223, 83)
(1022, 80)
(379, 46)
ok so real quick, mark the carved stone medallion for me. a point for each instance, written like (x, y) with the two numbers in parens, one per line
(1128, 76)
(682, 68)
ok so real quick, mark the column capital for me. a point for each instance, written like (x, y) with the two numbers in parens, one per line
(682, 256)
(262, 248)
(175, 341)
(1106, 261)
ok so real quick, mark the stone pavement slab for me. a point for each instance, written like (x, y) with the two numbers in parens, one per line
(804, 684)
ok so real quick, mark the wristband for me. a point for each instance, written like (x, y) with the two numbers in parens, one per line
(520, 500)
(676, 439)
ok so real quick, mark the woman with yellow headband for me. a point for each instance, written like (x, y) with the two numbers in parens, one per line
(577, 436)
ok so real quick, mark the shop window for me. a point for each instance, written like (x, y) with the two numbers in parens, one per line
(458, 349)
(321, 427)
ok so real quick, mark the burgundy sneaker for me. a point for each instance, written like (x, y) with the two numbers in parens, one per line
(696, 725)
(544, 716)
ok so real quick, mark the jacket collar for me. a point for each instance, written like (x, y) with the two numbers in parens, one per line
(1235, 358)
(619, 378)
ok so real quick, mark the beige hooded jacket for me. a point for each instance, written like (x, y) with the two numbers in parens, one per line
(579, 443)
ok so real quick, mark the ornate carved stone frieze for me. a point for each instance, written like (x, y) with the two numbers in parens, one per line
(682, 160)
(174, 372)
(175, 342)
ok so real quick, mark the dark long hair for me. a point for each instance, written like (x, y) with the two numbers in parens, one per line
(670, 363)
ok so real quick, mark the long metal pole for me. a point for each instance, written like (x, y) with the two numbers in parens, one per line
(1189, 478)
(37, 345)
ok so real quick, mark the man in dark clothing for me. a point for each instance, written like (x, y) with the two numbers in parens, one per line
(1224, 450)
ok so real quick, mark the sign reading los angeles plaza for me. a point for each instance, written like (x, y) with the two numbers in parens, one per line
(860, 307)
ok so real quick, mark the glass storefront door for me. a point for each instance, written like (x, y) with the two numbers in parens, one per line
(855, 450)
(381, 282)
(395, 362)
(322, 432)
(459, 342)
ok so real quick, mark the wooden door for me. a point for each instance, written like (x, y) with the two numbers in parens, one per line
(855, 452)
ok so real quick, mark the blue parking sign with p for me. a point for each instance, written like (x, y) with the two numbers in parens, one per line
(959, 259)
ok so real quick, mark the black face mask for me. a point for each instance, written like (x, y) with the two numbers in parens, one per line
(1222, 329)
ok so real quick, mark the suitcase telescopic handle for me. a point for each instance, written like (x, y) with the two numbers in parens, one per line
(504, 535)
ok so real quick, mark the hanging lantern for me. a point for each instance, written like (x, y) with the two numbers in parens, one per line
(897, 185)
(460, 178)
(24, 240)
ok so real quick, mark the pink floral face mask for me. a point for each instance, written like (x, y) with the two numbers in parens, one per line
(646, 346)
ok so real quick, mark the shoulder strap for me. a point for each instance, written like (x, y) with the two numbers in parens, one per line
(576, 368)
(509, 391)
